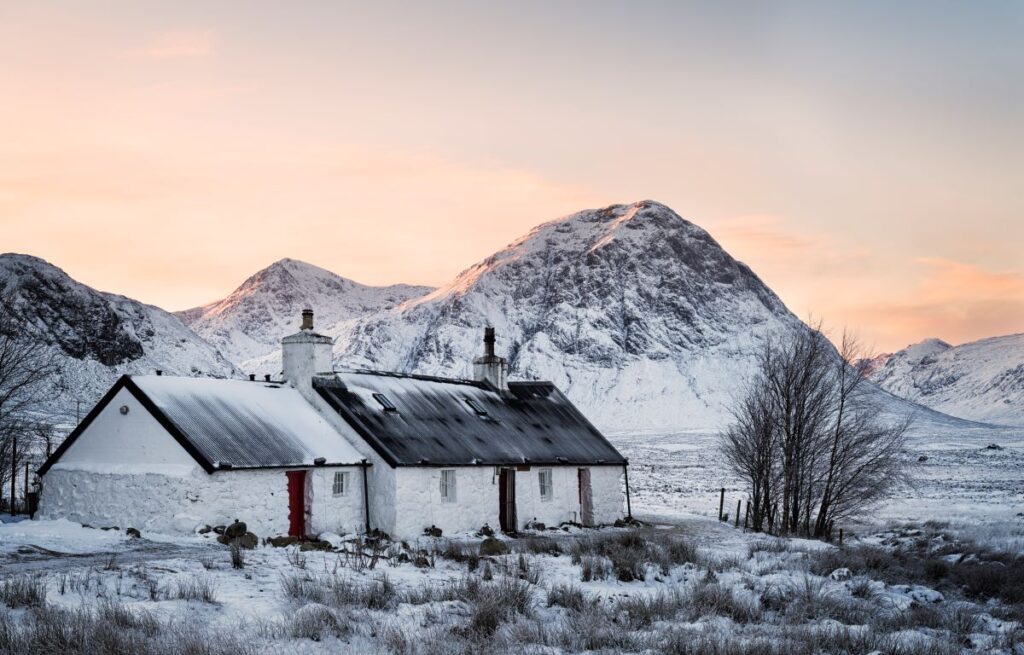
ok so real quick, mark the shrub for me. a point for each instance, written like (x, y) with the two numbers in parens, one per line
(595, 568)
(714, 598)
(539, 546)
(315, 622)
(643, 610)
(568, 596)
(194, 588)
(496, 602)
(23, 591)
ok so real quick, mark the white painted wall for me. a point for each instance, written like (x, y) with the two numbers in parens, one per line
(129, 443)
(418, 501)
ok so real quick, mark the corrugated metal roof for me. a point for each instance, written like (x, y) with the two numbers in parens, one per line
(434, 424)
(246, 424)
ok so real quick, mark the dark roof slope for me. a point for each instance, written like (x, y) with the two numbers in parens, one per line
(434, 423)
(244, 424)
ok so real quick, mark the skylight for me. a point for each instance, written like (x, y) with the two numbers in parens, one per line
(476, 407)
(385, 402)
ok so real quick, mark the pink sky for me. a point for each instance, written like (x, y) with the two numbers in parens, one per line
(865, 162)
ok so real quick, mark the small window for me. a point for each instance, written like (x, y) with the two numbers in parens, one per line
(447, 486)
(547, 486)
(340, 483)
(385, 402)
(476, 407)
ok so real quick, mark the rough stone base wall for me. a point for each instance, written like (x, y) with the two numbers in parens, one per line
(180, 504)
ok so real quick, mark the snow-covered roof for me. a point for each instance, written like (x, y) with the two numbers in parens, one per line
(446, 422)
(234, 423)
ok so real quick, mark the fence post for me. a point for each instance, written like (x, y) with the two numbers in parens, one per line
(738, 503)
(25, 498)
(721, 504)
(746, 515)
(840, 536)
(14, 470)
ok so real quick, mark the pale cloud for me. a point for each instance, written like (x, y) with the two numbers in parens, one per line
(178, 44)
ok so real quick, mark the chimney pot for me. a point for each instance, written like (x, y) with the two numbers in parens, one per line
(489, 341)
(252, 377)
(307, 319)
(266, 377)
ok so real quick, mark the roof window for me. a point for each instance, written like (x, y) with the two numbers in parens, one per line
(385, 402)
(476, 407)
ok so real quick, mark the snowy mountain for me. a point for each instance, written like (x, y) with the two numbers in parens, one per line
(99, 336)
(247, 326)
(982, 380)
(630, 309)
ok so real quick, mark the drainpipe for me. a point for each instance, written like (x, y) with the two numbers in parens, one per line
(366, 495)
(629, 508)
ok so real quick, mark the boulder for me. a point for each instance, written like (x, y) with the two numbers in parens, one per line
(236, 529)
(492, 546)
(432, 531)
(841, 574)
(133, 533)
(281, 542)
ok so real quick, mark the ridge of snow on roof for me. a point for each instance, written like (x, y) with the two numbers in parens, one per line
(434, 423)
(247, 424)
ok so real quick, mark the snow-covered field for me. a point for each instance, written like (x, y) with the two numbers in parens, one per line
(938, 570)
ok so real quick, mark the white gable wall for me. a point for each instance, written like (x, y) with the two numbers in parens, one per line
(127, 443)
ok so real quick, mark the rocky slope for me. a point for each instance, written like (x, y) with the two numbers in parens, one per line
(98, 336)
(982, 380)
(247, 326)
(632, 310)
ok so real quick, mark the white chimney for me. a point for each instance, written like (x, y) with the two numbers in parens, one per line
(490, 368)
(305, 354)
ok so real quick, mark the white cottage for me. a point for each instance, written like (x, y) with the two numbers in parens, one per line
(339, 451)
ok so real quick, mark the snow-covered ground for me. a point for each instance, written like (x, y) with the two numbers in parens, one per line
(701, 586)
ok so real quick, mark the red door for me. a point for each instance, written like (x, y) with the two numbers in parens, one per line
(297, 503)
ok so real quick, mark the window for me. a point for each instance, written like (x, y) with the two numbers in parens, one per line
(476, 407)
(340, 483)
(547, 486)
(447, 486)
(385, 402)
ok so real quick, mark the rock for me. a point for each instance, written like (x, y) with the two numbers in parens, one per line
(281, 542)
(247, 540)
(536, 525)
(840, 574)
(993, 446)
(205, 530)
(432, 531)
(219, 529)
(236, 529)
(486, 531)
(492, 546)
(922, 458)
(133, 533)
(315, 544)
(111, 527)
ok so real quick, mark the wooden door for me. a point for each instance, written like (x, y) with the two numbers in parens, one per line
(297, 503)
(586, 498)
(507, 500)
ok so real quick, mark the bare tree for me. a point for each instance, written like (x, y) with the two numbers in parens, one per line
(807, 435)
(28, 372)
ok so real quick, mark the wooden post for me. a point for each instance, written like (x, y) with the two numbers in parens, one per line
(26, 488)
(14, 469)
(840, 536)
(738, 502)
(721, 504)
(746, 515)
